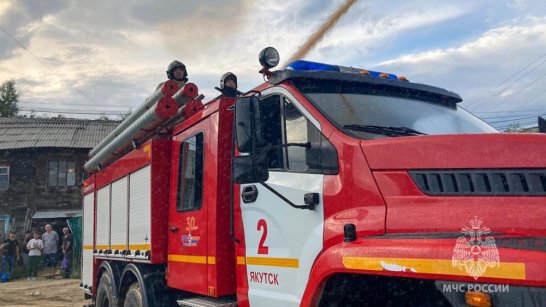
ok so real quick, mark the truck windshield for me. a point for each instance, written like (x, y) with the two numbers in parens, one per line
(372, 117)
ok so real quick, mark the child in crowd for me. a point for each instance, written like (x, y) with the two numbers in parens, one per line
(35, 247)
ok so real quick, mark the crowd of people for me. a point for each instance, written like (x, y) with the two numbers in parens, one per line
(36, 250)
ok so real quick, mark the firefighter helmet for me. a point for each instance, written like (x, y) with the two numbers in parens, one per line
(228, 76)
(176, 64)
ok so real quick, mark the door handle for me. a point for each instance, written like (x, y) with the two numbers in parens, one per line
(173, 229)
(249, 194)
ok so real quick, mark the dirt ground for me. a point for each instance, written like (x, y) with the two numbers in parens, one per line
(42, 292)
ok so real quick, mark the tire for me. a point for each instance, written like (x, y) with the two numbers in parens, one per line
(104, 292)
(134, 297)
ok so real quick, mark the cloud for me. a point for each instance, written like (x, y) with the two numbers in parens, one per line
(476, 67)
(200, 27)
(493, 42)
(367, 28)
(17, 18)
(116, 52)
(507, 93)
(519, 4)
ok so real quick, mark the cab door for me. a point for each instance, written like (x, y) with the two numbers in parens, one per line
(188, 214)
(282, 242)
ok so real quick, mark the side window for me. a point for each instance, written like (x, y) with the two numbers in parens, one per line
(190, 175)
(272, 131)
(4, 178)
(297, 129)
(285, 124)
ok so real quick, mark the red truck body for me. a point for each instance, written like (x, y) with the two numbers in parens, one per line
(391, 214)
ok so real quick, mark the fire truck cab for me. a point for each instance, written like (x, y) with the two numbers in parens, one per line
(326, 185)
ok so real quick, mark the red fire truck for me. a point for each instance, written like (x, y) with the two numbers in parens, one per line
(325, 185)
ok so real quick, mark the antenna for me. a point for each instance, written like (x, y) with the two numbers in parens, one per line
(267, 32)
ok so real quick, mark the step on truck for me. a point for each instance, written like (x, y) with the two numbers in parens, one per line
(324, 186)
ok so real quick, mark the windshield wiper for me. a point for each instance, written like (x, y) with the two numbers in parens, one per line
(388, 131)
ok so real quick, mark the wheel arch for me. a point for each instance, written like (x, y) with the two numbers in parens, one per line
(134, 273)
(112, 269)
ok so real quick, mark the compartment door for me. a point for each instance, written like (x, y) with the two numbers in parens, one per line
(118, 229)
(88, 232)
(103, 219)
(187, 258)
(140, 213)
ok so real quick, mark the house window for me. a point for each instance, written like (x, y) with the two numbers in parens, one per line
(190, 176)
(61, 173)
(4, 178)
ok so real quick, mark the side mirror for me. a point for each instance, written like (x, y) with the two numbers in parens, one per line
(251, 168)
(248, 125)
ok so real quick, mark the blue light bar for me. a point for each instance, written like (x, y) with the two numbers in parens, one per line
(301, 65)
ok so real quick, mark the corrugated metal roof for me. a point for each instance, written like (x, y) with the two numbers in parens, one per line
(16, 133)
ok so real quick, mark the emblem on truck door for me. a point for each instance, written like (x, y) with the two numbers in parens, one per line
(190, 240)
(472, 252)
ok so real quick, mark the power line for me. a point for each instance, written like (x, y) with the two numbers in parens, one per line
(493, 94)
(530, 100)
(528, 125)
(81, 113)
(509, 111)
(519, 91)
(524, 123)
(513, 116)
(73, 112)
(511, 120)
(43, 63)
(76, 104)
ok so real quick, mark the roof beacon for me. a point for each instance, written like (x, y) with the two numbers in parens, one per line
(301, 65)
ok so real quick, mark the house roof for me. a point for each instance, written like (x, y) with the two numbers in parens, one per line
(17, 133)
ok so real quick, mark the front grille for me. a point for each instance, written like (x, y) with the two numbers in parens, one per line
(486, 182)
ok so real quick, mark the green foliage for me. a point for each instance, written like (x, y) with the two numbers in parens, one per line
(33, 114)
(125, 115)
(9, 97)
(514, 128)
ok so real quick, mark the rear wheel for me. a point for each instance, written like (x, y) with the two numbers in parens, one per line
(104, 292)
(134, 297)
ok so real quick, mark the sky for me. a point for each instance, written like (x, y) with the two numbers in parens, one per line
(108, 56)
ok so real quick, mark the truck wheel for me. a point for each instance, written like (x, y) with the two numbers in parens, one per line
(104, 292)
(134, 297)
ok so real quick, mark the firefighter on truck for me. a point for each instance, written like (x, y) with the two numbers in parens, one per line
(323, 186)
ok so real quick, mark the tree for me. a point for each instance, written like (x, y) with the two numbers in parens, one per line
(9, 97)
(514, 128)
(123, 116)
(103, 117)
